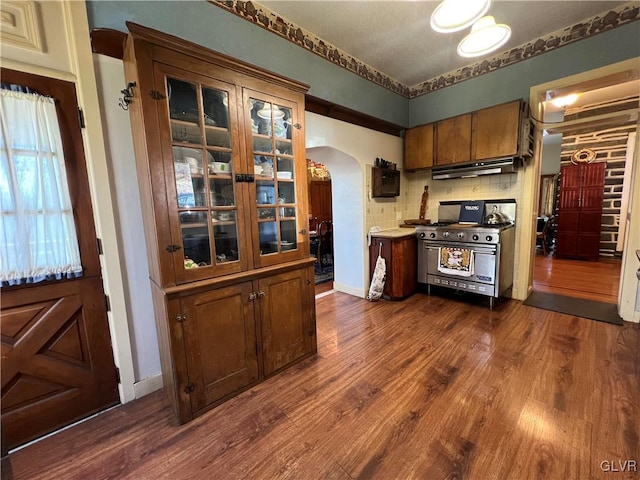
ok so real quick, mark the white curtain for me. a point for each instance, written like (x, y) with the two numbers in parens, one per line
(37, 231)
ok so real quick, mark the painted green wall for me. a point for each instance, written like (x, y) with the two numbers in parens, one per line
(515, 81)
(219, 30)
(211, 26)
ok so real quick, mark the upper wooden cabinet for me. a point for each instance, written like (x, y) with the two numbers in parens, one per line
(223, 165)
(418, 147)
(496, 131)
(453, 140)
(485, 134)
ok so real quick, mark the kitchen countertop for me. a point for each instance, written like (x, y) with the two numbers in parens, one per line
(395, 233)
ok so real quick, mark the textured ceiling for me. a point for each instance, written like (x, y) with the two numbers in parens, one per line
(395, 38)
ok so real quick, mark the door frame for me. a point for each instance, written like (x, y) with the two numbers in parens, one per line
(81, 71)
(627, 290)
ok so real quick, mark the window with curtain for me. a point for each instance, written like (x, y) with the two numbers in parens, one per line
(37, 231)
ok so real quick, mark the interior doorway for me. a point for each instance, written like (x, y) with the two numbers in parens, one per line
(347, 200)
(321, 224)
(599, 128)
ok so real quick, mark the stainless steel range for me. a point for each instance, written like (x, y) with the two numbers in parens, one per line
(467, 254)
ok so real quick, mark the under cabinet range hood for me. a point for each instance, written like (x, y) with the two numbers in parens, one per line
(469, 170)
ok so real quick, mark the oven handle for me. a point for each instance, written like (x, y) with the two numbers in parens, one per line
(478, 249)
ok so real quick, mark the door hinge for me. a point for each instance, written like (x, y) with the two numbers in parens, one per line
(99, 245)
(81, 118)
(189, 388)
(118, 379)
(107, 303)
(173, 248)
(181, 317)
(156, 95)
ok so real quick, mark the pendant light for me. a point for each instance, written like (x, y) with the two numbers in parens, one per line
(455, 15)
(485, 37)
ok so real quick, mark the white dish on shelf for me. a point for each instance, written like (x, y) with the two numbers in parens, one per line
(287, 175)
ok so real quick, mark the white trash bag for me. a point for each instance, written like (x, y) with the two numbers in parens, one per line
(379, 275)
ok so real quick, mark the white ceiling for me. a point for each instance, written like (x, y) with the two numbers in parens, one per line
(395, 37)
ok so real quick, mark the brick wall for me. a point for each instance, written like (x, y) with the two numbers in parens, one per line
(610, 145)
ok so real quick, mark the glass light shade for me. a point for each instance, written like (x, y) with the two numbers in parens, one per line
(455, 15)
(267, 111)
(486, 36)
(565, 100)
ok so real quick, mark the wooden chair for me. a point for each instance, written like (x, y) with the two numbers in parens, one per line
(542, 234)
(325, 243)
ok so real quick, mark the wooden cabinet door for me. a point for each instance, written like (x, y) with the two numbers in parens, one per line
(580, 210)
(200, 148)
(220, 342)
(274, 140)
(453, 140)
(286, 307)
(418, 147)
(400, 255)
(320, 207)
(496, 131)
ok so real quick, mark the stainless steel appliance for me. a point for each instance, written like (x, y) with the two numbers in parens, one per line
(492, 245)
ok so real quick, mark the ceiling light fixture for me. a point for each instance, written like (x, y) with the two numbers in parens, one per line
(455, 15)
(485, 37)
(565, 100)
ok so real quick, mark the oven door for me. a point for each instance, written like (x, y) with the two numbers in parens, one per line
(485, 259)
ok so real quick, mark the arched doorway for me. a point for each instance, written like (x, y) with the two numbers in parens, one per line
(348, 217)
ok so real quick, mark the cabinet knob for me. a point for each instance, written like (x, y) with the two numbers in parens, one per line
(261, 294)
(252, 296)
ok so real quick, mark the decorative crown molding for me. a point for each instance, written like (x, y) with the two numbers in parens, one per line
(271, 21)
(624, 14)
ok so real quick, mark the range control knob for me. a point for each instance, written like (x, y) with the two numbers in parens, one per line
(460, 235)
(475, 237)
(423, 235)
(489, 238)
(432, 235)
(445, 234)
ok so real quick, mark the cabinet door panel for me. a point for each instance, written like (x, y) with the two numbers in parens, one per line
(453, 140)
(278, 195)
(220, 342)
(496, 131)
(200, 145)
(285, 312)
(418, 147)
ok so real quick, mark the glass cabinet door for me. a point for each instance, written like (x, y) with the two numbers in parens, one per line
(272, 151)
(206, 201)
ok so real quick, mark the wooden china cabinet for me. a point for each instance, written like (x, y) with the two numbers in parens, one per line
(221, 164)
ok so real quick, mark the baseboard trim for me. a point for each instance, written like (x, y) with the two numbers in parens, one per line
(147, 385)
(338, 287)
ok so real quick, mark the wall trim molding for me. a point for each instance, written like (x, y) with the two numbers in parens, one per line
(20, 24)
(271, 21)
(148, 385)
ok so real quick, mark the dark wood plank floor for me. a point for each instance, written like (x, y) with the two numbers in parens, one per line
(427, 388)
(597, 281)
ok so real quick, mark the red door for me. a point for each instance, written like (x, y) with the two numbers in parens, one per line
(580, 211)
(57, 362)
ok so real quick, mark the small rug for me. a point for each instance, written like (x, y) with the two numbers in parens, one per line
(603, 312)
(325, 276)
